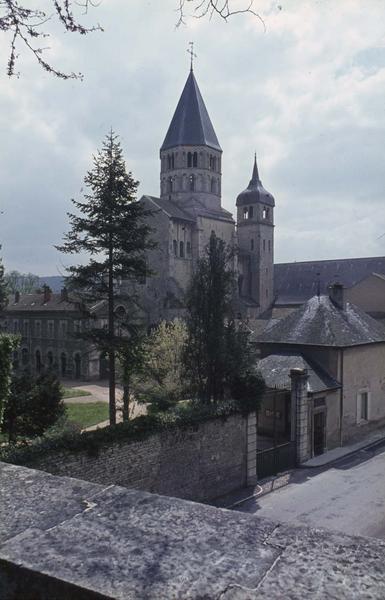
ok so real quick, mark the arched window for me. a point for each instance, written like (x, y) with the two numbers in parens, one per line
(63, 364)
(172, 160)
(175, 247)
(192, 183)
(188, 248)
(38, 361)
(78, 366)
(181, 249)
(50, 359)
(251, 211)
(265, 213)
(24, 357)
(212, 185)
(245, 212)
(189, 159)
(195, 159)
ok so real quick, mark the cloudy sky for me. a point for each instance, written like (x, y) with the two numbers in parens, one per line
(306, 91)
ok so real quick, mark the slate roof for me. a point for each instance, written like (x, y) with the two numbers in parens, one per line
(171, 208)
(275, 369)
(319, 322)
(296, 282)
(255, 192)
(35, 302)
(191, 125)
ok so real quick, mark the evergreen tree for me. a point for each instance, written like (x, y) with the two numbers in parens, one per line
(34, 404)
(3, 287)
(209, 309)
(113, 232)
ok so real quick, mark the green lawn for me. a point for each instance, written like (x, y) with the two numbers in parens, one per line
(74, 393)
(87, 414)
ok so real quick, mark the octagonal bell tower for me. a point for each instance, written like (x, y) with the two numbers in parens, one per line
(190, 154)
(255, 230)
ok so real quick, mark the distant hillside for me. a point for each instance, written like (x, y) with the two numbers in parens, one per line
(55, 282)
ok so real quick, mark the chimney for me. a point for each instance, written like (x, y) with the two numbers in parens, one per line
(17, 297)
(64, 294)
(47, 293)
(337, 295)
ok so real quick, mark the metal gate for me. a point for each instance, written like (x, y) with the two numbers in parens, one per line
(275, 460)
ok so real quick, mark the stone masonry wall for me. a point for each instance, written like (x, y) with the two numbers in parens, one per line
(196, 463)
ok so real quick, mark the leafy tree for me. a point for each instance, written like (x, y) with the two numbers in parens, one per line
(8, 343)
(161, 383)
(3, 287)
(34, 405)
(209, 308)
(130, 357)
(112, 230)
(21, 282)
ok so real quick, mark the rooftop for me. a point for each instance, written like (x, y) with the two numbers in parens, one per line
(298, 281)
(275, 369)
(37, 302)
(319, 322)
(191, 124)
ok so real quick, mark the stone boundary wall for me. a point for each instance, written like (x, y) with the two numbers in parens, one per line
(196, 463)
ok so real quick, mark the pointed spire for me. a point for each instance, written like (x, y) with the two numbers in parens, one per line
(255, 176)
(191, 124)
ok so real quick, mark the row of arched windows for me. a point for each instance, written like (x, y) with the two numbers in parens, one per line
(202, 160)
(181, 250)
(248, 212)
(190, 183)
(57, 363)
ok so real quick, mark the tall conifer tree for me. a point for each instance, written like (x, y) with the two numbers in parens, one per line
(112, 230)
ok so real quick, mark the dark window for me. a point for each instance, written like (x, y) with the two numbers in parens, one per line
(192, 183)
(269, 245)
(169, 184)
(252, 244)
(212, 185)
(181, 249)
(245, 212)
(188, 248)
(63, 364)
(50, 358)
(189, 159)
(251, 212)
(364, 406)
(175, 247)
(195, 159)
(24, 357)
(264, 244)
(172, 161)
(38, 361)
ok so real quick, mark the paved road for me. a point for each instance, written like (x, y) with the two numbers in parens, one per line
(347, 497)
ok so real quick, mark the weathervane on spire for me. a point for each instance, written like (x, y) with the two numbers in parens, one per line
(192, 55)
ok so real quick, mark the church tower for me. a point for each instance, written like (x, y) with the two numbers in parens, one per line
(190, 154)
(255, 229)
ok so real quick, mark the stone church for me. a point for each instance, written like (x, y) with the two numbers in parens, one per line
(189, 209)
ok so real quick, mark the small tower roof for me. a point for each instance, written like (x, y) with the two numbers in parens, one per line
(191, 124)
(255, 192)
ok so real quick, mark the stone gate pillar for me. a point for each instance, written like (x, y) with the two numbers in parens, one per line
(252, 448)
(299, 400)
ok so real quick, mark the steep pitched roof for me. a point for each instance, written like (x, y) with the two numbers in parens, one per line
(319, 322)
(275, 370)
(191, 125)
(298, 281)
(255, 192)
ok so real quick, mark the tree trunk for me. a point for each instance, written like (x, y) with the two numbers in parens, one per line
(126, 401)
(111, 332)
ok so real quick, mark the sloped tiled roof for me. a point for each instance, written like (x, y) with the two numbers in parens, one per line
(35, 302)
(191, 124)
(320, 322)
(275, 369)
(296, 282)
(171, 208)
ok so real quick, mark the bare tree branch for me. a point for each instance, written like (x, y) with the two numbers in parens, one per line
(25, 26)
(220, 8)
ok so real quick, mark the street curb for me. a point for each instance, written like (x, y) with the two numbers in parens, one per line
(335, 460)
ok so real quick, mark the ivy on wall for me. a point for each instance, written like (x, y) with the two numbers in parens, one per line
(8, 343)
